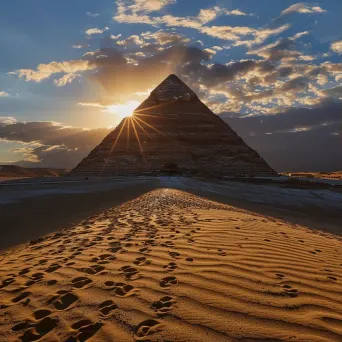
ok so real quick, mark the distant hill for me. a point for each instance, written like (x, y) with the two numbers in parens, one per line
(18, 171)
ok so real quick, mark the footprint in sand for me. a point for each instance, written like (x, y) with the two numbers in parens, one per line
(94, 269)
(129, 271)
(174, 254)
(103, 259)
(81, 282)
(34, 242)
(163, 305)
(35, 278)
(144, 250)
(120, 289)
(35, 330)
(115, 247)
(42, 262)
(291, 292)
(53, 268)
(22, 296)
(170, 267)
(107, 307)
(168, 244)
(149, 242)
(141, 261)
(85, 329)
(6, 282)
(24, 271)
(63, 299)
(39, 314)
(146, 328)
(168, 281)
(221, 252)
(51, 282)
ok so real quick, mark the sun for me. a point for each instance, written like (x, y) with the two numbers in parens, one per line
(123, 110)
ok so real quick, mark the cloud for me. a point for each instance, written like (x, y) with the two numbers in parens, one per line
(115, 72)
(6, 120)
(66, 79)
(280, 76)
(300, 34)
(80, 46)
(137, 11)
(136, 6)
(95, 30)
(296, 140)
(282, 48)
(114, 37)
(134, 12)
(165, 38)
(234, 12)
(4, 94)
(51, 144)
(94, 15)
(210, 51)
(134, 39)
(333, 92)
(302, 7)
(237, 33)
(337, 46)
(91, 104)
(44, 71)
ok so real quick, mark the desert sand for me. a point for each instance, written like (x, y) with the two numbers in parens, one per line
(171, 266)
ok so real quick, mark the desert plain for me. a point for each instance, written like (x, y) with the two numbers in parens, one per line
(173, 260)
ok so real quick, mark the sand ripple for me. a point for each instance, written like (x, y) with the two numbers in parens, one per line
(170, 266)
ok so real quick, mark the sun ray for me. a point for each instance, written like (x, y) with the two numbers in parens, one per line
(157, 130)
(138, 139)
(112, 148)
(123, 110)
(117, 138)
(151, 116)
(141, 127)
(128, 130)
(152, 107)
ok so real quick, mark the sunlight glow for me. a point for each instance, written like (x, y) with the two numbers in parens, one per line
(123, 110)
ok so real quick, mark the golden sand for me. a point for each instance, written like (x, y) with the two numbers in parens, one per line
(170, 266)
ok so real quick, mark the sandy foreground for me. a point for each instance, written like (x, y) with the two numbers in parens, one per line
(170, 266)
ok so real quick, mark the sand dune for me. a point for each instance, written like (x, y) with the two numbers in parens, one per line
(170, 266)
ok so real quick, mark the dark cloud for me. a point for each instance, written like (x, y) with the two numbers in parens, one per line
(298, 83)
(299, 139)
(215, 74)
(51, 144)
(120, 77)
(335, 92)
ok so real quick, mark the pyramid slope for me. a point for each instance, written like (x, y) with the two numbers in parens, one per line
(173, 130)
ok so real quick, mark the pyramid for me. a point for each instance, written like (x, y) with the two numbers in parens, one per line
(173, 131)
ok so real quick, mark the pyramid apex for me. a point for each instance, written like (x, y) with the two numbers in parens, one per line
(172, 89)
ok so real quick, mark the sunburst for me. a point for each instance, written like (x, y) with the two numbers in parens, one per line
(123, 110)
(132, 119)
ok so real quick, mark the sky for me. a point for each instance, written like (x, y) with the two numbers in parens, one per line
(72, 69)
